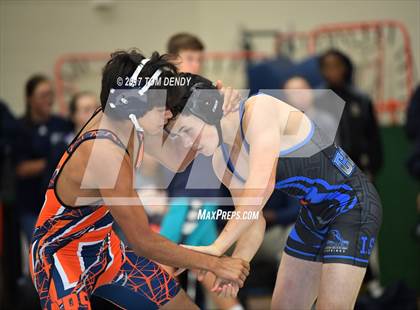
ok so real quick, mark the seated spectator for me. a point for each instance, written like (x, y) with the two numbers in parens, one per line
(38, 132)
(299, 93)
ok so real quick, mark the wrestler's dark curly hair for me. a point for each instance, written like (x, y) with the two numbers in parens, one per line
(122, 65)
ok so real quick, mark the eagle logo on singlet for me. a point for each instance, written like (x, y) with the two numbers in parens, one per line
(338, 244)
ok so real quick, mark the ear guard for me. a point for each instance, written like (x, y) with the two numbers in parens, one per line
(124, 102)
(206, 103)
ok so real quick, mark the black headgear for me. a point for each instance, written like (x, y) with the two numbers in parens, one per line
(128, 102)
(205, 102)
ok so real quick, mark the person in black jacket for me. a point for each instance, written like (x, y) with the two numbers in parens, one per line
(7, 131)
(358, 133)
(413, 134)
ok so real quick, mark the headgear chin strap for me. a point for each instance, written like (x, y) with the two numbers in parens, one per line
(219, 134)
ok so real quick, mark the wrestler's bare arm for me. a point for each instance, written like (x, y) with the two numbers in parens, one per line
(126, 208)
(169, 151)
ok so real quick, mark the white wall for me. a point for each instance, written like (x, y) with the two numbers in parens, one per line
(34, 33)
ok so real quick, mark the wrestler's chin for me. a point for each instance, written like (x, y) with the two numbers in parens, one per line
(155, 131)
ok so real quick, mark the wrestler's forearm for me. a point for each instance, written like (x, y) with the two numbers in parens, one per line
(249, 243)
(169, 151)
(160, 249)
(233, 229)
(135, 226)
(247, 201)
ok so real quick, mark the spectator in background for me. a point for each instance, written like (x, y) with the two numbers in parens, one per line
(412, 129)
(299, 94)
(37, 134)
(11, 293)
(413, 133)
(7, 135)
(190, 52)
(82, 106)
(358, 132)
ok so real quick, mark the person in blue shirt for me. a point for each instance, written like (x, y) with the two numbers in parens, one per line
(38, 133)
